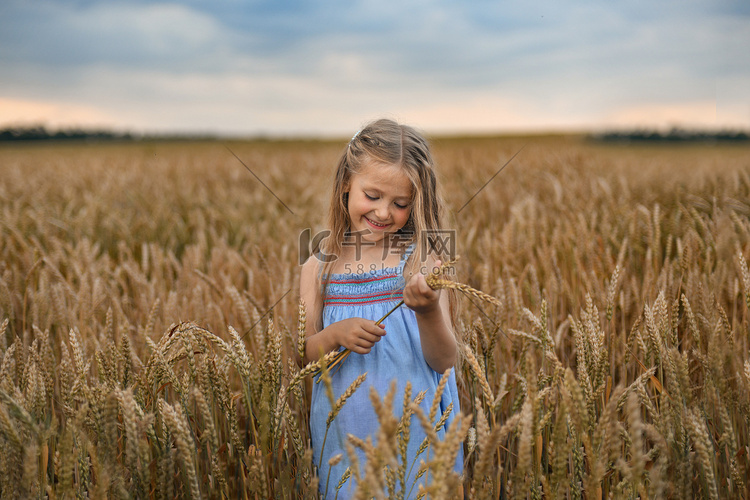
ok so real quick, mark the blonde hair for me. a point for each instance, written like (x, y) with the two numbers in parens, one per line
(385, 142)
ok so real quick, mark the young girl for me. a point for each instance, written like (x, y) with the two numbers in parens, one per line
(383, 208)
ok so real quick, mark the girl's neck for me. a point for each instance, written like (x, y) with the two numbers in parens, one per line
(393, 242)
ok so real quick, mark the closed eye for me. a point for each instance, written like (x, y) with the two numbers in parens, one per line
(372, 198)
(401, 206)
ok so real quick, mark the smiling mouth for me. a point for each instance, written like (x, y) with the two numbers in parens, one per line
(375, 224)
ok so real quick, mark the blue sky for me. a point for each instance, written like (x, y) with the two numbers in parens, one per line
(326, 67)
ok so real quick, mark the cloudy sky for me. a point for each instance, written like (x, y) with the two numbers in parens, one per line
(324, 67)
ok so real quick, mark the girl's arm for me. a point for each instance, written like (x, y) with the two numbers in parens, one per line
(356, 334)
(432, 310)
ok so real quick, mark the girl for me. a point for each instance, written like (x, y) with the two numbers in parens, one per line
(383, 208)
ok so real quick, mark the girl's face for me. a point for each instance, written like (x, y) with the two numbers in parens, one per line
(380, 199)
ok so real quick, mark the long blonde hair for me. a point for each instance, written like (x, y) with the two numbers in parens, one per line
(385, 142)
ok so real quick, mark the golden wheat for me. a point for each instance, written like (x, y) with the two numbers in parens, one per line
(147, 300)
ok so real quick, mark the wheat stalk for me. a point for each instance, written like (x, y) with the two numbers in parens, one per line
(436, 283)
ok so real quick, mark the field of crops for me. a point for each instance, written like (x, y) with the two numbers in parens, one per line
(149, 316)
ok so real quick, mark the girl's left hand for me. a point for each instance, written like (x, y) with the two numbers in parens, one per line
(418, 295)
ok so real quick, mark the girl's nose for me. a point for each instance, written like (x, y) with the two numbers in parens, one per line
(381, 211)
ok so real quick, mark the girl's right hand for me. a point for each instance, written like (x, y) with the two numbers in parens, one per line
(358, 334)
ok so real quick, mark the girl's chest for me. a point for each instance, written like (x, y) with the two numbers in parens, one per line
(361, 261)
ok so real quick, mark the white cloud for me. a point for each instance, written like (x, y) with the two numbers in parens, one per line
(166, 35)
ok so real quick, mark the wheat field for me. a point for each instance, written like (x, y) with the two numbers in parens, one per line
(149, 317)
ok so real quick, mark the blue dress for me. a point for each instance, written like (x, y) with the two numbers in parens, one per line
(396, 357)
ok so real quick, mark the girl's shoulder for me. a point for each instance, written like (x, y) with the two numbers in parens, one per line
(310, 272)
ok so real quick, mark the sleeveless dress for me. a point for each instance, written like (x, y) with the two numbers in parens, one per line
(396, 357)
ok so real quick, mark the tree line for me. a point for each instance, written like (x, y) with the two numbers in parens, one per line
(675, 135)
(41, 133)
